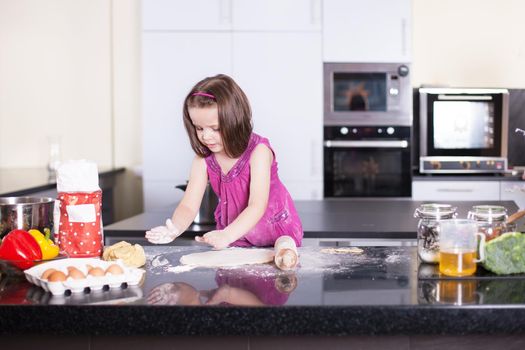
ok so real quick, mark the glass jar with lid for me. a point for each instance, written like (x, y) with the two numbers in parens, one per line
(492, 220)
(428, 229)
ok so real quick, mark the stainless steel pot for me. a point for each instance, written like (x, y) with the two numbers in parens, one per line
(209, 202)
(25, 213)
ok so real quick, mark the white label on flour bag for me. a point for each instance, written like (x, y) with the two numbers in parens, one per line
(81, 213)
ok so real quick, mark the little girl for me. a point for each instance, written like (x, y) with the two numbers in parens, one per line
(254, 206)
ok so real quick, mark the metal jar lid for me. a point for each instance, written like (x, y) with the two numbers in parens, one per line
(435, 211)
(488, 213)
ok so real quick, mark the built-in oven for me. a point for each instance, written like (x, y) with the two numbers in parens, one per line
(367, 161)
(463, 130)
(367, 129)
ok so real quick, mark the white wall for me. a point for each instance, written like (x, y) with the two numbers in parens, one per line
(471, 43)
(69, 68)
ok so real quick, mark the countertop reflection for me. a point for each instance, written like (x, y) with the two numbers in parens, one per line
(326, 276)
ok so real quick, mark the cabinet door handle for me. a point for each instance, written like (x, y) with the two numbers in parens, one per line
(315, 11)
(403, 37)
(313, 160)
(455, 190)
(225, 11)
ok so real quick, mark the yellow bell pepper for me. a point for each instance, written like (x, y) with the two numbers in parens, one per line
(46, 244)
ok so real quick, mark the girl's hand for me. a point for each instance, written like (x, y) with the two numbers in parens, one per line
(163, 234)
(219, 239)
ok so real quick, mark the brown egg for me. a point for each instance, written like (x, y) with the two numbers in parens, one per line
(57, 276)
(75, 273)
(114, 269)
(96, 271)
(46, 273)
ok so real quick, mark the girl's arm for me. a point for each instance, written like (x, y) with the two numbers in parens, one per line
(189, 206)
(234, 296)
(187, 209)
(260, 168)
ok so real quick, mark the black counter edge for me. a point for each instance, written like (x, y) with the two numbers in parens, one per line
(266, 321)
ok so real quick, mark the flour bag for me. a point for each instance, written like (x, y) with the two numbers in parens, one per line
(78, 213)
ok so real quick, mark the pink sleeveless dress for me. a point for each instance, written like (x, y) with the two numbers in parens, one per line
(233, 191)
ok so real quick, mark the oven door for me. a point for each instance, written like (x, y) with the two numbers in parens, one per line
(367, 168)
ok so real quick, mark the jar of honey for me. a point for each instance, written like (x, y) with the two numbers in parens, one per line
(428, 229)
(491, 220)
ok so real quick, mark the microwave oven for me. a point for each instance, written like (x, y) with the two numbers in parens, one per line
(371, 94)
(463, 130)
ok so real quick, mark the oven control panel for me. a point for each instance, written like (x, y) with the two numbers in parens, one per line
(462, 165)
(366, 132)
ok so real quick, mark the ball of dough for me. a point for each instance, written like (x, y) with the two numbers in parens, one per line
(131, 255)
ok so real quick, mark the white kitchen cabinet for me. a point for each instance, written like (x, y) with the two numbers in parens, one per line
(171, 64)
(183, 15)
(513, 191)
(367, 31)
(226, 15)
(283, 81)
(272, 49)
(276, 15)
(455, 190)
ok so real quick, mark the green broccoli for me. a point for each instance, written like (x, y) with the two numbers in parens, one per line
(506, 254)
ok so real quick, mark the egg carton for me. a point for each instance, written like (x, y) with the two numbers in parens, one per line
(131, 276)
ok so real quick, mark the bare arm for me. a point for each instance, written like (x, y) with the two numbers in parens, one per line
(186, 210)
(260, 167)
(189, 206)
(234, 296)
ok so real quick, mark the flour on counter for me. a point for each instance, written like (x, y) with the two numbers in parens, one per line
(393, 258)
(180, 268)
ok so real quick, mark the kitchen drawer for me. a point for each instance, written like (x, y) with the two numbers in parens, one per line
(455, 190)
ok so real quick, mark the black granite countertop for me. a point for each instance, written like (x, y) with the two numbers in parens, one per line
(373, 292)
(24, 181)
(325, 219)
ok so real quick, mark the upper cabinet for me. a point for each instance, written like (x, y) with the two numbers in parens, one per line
(238, 15)
(198, 15)
(367, 31)
(277, 15)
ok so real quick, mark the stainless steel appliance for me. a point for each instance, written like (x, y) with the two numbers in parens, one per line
(463, 130)
(367, 130)
(367, 161)
(367, 94)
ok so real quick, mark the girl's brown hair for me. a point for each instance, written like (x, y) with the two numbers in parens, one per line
(235, 115)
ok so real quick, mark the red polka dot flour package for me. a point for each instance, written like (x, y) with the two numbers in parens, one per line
(79, 211)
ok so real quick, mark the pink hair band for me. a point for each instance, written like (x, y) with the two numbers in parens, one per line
(201, 93)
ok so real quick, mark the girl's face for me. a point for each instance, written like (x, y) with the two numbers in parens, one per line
(206, 122)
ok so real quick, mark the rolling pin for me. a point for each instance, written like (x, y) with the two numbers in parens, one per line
(286, 256)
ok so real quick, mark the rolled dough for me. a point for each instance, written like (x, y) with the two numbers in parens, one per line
(342, 250)
(229, 257)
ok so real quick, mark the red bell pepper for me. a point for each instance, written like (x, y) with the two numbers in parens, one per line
(21, 248)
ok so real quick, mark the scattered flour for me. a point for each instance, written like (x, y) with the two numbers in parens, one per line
(393, 258)
(180, 268)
